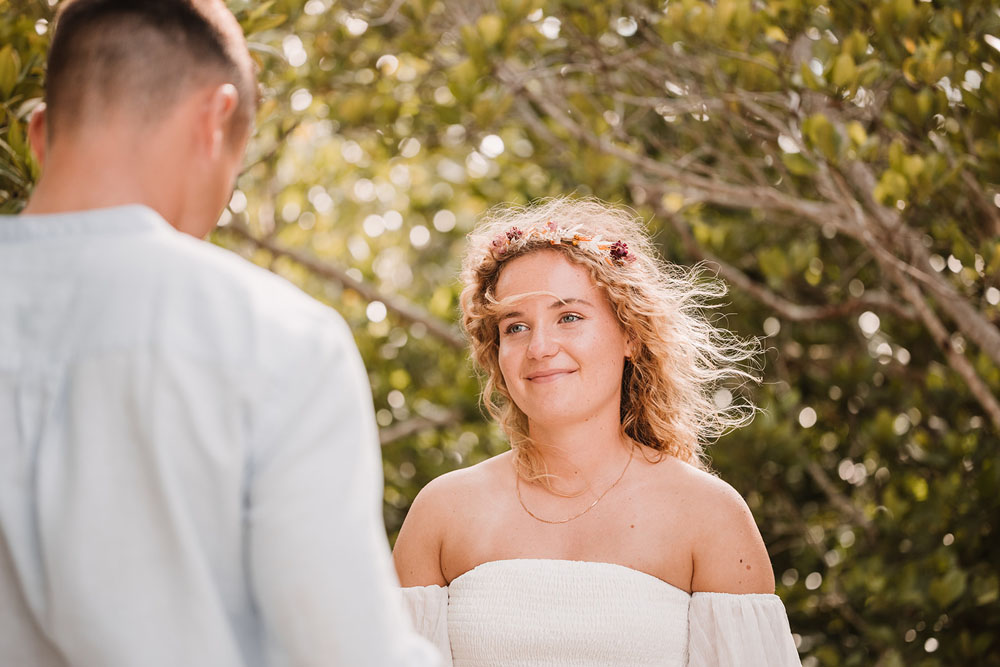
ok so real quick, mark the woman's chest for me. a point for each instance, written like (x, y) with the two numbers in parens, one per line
(649, 537)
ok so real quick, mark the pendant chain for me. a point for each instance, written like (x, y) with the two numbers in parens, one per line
(517, 484)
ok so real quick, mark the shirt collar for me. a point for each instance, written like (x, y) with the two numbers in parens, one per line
(114, 221)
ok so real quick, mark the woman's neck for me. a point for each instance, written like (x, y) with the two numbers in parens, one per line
(582, 454)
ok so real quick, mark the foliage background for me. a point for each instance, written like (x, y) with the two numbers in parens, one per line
(837, 162)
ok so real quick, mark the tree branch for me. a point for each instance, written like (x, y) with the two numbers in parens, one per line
(956, 359)
(704, 188)
(402, 429)
(899, 273)
(972, 323)
(838, 499)
(401, 307)
(789, 310)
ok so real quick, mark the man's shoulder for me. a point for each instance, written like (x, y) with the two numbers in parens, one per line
(240, 306)
(218, 273)
(210, 264)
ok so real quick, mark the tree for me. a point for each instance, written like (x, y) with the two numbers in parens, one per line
(838, 163)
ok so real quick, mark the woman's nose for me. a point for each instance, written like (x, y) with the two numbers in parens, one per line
(543, 343)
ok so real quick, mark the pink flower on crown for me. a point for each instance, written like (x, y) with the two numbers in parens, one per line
(619, 252)
(499, 243)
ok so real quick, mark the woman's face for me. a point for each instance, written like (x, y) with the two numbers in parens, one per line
(562, 350)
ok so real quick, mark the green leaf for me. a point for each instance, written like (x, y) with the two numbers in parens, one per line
(10, 68)
(856, 132)
(774, 263)
(15, 138)
(856, 44)
(913, 168)
(14, 177)
(798, 164)
(490, 28)
(903, 8)
(987, 590)
(809, 78)
(821, 134)
(260, 10)
(892, 187)
(948, 588)
(266, 23)
(463, 77)
(844, 71)
(896, 154)
(869, 72)
(776, 34)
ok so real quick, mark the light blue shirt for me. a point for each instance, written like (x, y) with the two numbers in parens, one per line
(189, 468)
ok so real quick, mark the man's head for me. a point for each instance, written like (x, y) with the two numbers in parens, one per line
(139, 69)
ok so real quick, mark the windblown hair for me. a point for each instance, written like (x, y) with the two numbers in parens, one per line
(680, 358)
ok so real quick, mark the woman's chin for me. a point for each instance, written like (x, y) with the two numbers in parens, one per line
(557, 416)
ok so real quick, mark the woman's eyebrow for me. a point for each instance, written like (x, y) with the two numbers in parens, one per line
(558, 303)
(509, 315)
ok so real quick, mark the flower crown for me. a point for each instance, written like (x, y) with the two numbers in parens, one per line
(506, 243)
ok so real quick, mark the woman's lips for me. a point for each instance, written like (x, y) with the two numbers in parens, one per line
(543, 377)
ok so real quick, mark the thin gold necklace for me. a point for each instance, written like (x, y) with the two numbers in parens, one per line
(517, 485)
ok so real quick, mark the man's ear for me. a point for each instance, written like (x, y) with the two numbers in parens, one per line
(221, 106)
(37, 133)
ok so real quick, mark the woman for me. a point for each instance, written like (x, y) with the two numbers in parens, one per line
(600, 538)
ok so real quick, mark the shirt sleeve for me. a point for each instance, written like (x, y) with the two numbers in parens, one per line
(428, 609)
(726, 630)
(318, 555)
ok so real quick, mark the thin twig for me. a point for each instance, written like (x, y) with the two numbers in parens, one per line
(402, 429)
(789, 310)
(401, 307)
(838, 499)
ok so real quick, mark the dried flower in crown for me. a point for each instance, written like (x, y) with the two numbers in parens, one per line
(512, 240)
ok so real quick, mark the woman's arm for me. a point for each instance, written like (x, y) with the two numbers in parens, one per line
(417, 553)
(728, 555)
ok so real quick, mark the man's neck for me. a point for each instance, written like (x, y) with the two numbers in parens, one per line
(95, 172)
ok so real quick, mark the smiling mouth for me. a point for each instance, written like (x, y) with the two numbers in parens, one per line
(549, 376)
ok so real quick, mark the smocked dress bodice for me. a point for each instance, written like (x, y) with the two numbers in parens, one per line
(553, 613)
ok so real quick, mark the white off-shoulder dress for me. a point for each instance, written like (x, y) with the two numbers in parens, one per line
(539, 612)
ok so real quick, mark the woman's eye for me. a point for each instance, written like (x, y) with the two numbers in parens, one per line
(570, 317)
(514, 328)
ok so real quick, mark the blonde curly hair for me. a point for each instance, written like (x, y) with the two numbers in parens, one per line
(680, 358)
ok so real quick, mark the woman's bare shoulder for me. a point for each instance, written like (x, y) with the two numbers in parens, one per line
(464, 483)
(444, 501)
(728, 553)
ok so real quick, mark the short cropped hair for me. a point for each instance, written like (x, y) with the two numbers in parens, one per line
(141, 56)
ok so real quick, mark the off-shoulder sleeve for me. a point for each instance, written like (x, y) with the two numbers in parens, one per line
(428, 609)
(726, 630)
